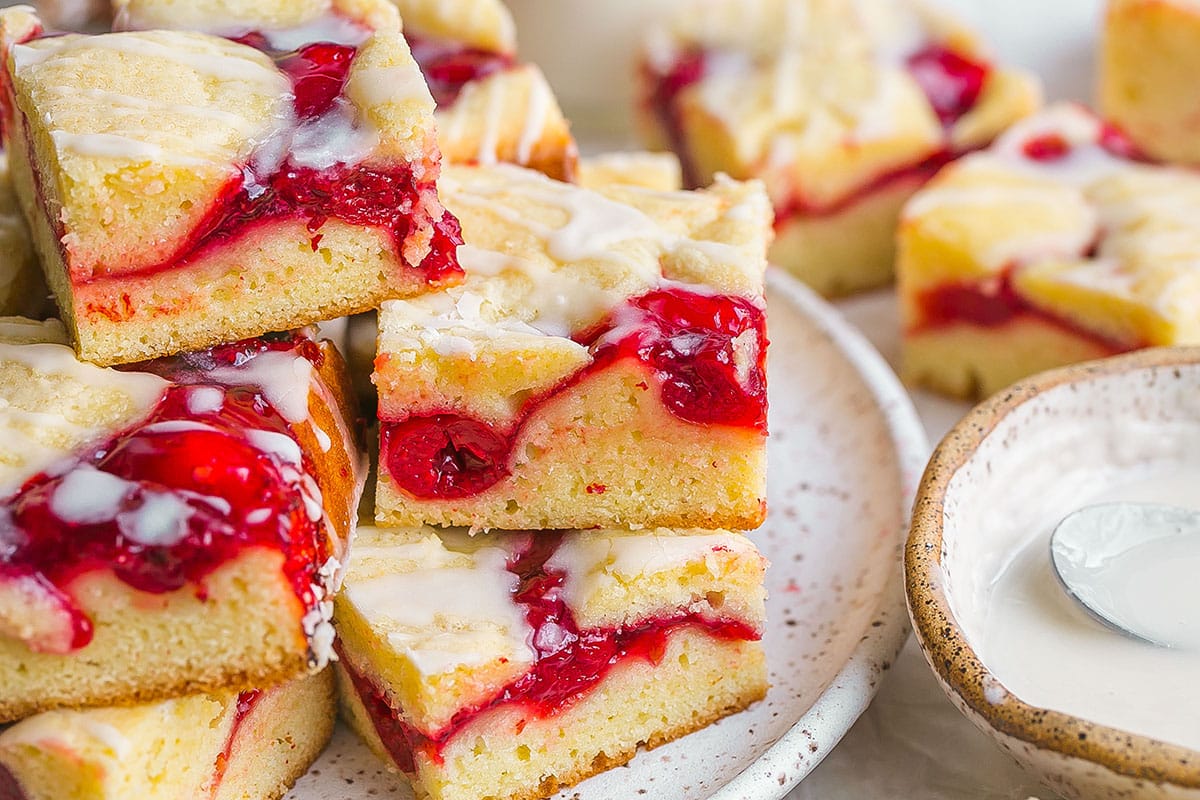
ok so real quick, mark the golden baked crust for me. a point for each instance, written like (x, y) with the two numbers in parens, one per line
(246, 627)
(1059, 222)
(546, 261)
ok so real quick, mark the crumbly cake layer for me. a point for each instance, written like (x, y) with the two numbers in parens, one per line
(602, 365)
(549, 649)
(225, 746)
(849, 250)
(826, 102)
(171, 215)
(212, 575)
(505, 756)
(1149, 58)
(1061, 219)
(973, 363)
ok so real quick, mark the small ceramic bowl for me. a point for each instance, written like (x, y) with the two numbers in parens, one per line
(1024, 458)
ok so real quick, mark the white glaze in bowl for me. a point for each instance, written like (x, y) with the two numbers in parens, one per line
(995, 487)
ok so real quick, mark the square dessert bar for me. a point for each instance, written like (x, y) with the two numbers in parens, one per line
(186, 189)
(603, 364)
(509, 665)
(490, 106)
(843, 108)
(1150, 56)
(1059, 244)
(171, 528)
(226, 746)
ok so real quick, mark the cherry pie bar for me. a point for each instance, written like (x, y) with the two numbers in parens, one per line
(1149, 60)
(509, 665)
(186, 189)
(1060, 243)
(603, 364)
(23, 292)
(228, 746)
(843, 108)
(169, 528)
(491, 107)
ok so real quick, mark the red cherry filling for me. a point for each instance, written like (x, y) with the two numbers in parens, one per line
(992, 305)
(568, 662)
(444, 456)
(708, 353)
(179, 495)
(951, 81)
(391, 199)
(449, 66)
(318, 73)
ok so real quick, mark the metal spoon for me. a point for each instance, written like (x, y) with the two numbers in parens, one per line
(1135, 567)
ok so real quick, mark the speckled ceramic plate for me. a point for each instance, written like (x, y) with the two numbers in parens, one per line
(846, 452)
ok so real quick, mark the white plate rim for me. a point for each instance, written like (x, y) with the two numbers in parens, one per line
(854, 686)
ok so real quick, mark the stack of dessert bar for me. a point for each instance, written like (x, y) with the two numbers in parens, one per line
(572, 412)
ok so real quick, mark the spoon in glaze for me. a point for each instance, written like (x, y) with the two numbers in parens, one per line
(1135, 567)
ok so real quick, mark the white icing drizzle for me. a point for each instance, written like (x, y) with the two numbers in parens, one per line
(88, 496)
(160, 521)
(205, 400)
(538, 106)
(446, 610)
(592, 560)
(36, 440)
(381, 86)
(119, 103)
(226, 68)
(285, 379)
(279, 445)
(111, 145)
(489, 137)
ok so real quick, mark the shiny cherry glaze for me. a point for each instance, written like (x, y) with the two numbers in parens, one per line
(950, 80)
(239, 495)
(449, 66)
(689, 341)
(568, 663)
(389, 198)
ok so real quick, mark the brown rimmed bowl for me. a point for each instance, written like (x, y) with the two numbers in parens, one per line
(1097, 418)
